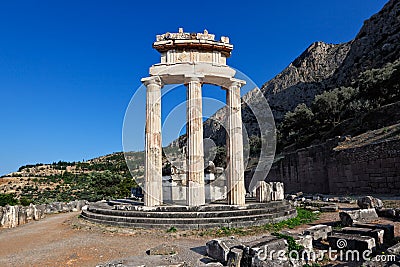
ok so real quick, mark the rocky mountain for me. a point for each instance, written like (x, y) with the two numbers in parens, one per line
(377, 44)
(305, 77)
(321, 67)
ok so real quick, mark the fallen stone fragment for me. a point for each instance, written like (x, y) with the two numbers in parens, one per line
(377, 234)
(163, 249)
(220, 248)
(347, 200)
(388, 236)
(265, 248)
(318, 232)
(394, 250)
(369, 202)
(330, 208)
(311, 208)
(388, 213)
(339, 241)
(235, 257)
(291, 197)
(348, 218)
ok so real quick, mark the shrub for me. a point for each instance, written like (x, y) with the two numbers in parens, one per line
(8, 199)
(25, 201)
(172, 229)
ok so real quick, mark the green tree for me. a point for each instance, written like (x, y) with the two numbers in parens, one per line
(330, 105)
(381, 86)
(8, 199)
(255, 145)
(220, 156)
(296, 122)
(25, 201)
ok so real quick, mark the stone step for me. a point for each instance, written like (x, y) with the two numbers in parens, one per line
(186, 214)
(174, 220)
(209, 207)
(201, 223)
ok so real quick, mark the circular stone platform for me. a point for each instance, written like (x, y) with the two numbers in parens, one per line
(133, 214)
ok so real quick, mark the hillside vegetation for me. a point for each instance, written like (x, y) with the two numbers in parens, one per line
(96, 179)
(373, 93)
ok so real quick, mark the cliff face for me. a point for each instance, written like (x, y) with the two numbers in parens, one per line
(305, 77)
(377, 44)
(320, 67)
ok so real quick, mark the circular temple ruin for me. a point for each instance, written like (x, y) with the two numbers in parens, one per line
(194, 59)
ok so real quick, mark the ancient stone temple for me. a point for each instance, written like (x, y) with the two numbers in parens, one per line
(193, 59)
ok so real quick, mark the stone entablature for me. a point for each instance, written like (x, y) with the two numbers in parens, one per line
(183, 47)
(181, 35)
(175, 56)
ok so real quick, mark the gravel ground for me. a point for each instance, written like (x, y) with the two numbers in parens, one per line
(65, 240)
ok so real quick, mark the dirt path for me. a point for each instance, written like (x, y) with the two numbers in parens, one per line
(54, 241)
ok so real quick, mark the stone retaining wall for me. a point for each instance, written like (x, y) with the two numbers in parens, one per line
(373, 168)
(12, 216)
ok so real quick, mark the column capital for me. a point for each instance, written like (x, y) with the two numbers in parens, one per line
(152, 80)
(233, 83)
(193, 78)
(237, 83)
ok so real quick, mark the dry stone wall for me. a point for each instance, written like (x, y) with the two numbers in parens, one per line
(12, 216)
(373, 168)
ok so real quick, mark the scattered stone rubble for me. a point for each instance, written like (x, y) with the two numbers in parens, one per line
(369, 202)
(350, 217)
(318, 202)
(389, 213)
(12, 216)
(360, 232)
(232, 252)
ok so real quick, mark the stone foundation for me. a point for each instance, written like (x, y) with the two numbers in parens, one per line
(136, 215)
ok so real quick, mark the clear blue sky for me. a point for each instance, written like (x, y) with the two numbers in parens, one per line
(68, 69)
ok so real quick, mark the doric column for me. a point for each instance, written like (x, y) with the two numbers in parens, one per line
(153, 161)
(195, 195)
(234, 144)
